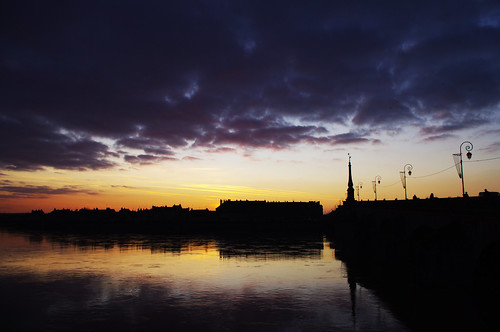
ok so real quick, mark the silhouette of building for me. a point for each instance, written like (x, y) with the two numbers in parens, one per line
(487, 193)
(350, 187)
(270, 210)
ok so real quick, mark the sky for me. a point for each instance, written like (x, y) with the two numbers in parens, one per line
(140, 103)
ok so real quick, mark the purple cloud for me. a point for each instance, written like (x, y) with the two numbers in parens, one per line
(493, 147)
(163, 76)
(30, 191)
(33, 143)
(452, 126)
(440, 137)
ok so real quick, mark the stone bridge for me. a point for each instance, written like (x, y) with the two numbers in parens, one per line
(452, 241)
(436, 257)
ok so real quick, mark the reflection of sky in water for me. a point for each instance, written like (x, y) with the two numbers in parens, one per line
(136, 285)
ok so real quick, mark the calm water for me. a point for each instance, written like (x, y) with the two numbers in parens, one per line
(179, 283)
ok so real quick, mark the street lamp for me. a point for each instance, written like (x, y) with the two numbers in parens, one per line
(407, 167)
(468, 148)
(377, 180)
(359, 186)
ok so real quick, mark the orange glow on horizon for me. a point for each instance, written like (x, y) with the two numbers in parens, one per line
(275, 176)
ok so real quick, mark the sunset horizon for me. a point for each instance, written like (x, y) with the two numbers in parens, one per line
(133, 105)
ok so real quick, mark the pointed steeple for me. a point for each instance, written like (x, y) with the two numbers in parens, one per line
(350, 187)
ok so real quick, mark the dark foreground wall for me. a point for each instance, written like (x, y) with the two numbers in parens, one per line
(444, 253)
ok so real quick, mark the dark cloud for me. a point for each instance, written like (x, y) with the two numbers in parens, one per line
(157, 76)
(30, 191)
(30, 143)
(452, 126)
(349, 138)
(148, 145)
(345, 139)
(380, 111)
(258, 131)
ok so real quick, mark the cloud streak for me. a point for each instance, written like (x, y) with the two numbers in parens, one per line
(30, 191)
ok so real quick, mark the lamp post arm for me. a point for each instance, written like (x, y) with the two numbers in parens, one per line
(468, 148)
(409, 168)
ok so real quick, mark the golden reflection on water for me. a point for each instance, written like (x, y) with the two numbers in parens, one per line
(140, 283)
(194, 265)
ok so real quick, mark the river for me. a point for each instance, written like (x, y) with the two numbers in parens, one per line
(91, 282)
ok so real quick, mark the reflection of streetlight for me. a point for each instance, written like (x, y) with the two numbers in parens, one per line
(468, 148)
(359, 186)
(377, 180)
(407, 167)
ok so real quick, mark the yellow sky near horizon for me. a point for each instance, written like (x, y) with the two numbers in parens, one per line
(302, 174)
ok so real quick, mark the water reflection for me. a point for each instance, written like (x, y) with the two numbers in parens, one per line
(136, 282)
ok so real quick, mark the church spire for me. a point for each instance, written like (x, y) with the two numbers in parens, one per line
(350, 187)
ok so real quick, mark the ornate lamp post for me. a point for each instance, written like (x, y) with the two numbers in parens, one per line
(468, 148)
(407, 168)
(359, 186)
(377, 180)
